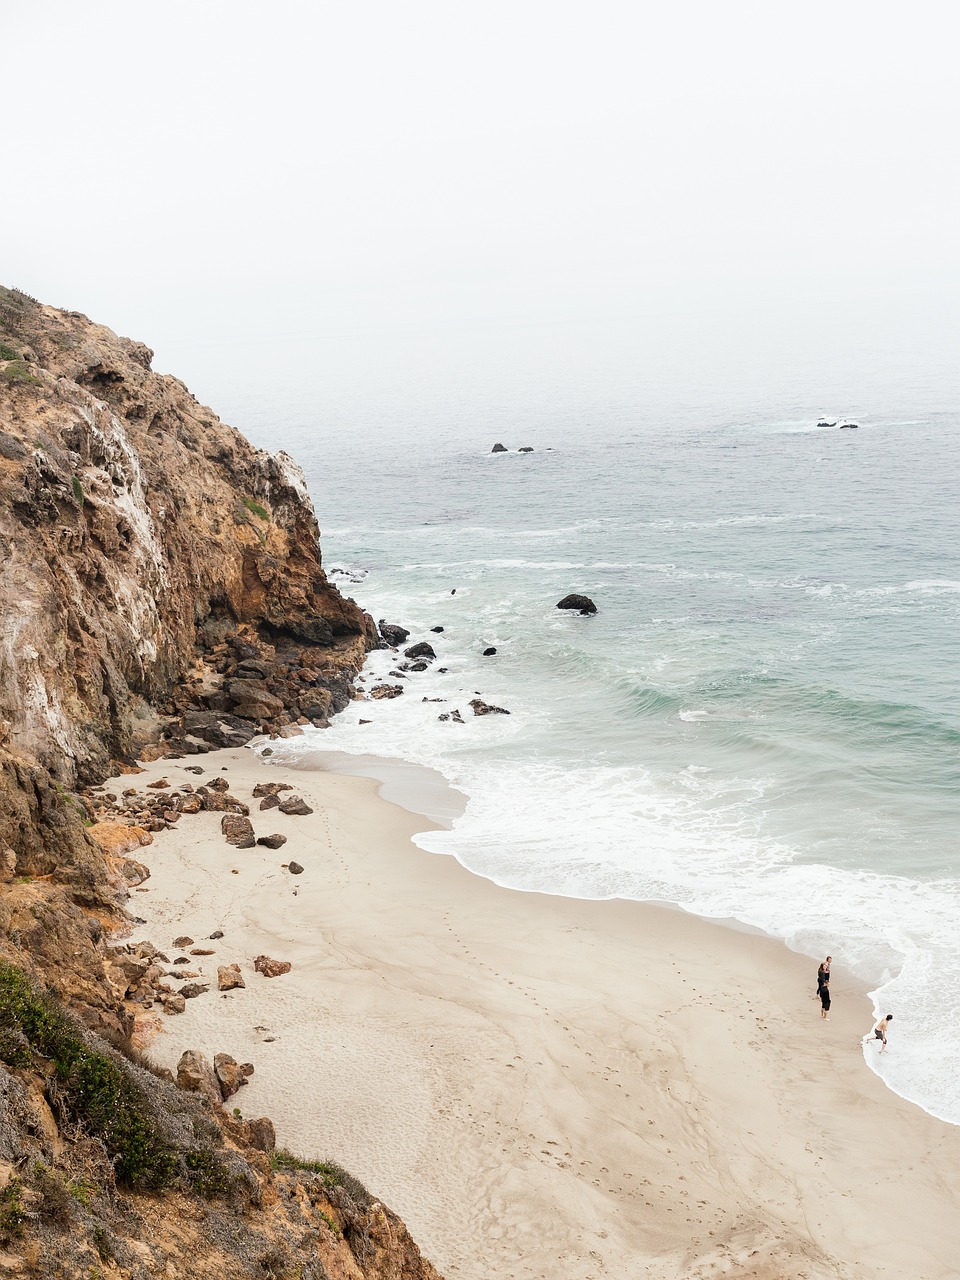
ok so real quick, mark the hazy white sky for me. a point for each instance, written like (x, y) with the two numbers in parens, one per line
(208, 165)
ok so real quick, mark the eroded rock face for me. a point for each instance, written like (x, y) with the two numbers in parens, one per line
(138, 531)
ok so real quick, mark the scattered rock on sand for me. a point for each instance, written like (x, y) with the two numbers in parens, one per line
(270, 788)
(217, 933)
(238, 830)
(159, 784)
(481, 708)
(183, 941)
(194, 989)
(295, 868)
(202, 951)
(582, 603)
(272, 842)
(295, 805)
(195, 1073)
(269, 802)
(174, 1003)
(229, 976)
(271, 968)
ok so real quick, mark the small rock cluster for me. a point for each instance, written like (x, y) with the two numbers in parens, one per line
(418, 657)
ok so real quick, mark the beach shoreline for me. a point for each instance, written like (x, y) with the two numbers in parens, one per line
(541, 1086)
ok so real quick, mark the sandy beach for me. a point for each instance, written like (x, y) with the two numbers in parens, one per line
(542, 1087)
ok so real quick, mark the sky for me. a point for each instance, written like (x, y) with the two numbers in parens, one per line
(184, 171)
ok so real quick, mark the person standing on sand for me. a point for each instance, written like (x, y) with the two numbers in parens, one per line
(880, 1031)
(823, 974)
(824, 993)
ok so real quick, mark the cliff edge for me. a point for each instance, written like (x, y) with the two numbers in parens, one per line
(161, 592)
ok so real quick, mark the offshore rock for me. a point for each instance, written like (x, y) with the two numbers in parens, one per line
(582, 603)
(394, 635)
(499, 448)
(421, 650)
(481, 708)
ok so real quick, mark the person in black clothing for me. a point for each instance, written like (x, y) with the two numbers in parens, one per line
(823, 988)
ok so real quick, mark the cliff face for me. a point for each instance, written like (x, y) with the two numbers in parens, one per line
(161, 591)
(137, 532)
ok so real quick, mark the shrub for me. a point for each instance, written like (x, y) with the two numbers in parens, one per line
(8, 353)
(102, 1091)
(256, 508)
(18, 371)
(78, 490)
(12, 1212)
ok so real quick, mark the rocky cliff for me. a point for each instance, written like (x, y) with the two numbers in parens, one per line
(161, 591)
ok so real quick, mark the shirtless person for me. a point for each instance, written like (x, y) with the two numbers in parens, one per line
(880, 1031)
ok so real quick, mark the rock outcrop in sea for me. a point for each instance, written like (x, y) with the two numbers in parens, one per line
(161, 593)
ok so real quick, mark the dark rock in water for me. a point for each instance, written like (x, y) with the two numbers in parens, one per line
(364, 722)
(295, 805)
(272, 842)
(386, 691)
(849, 426)
(421, 650)
(417, 666)
(488, 653)
(393, 634)
(443, 670)
(583, 603)
(457, 718)
(438, 629)
(824, 422)
(526, 449)
(499, 448)
(481, 708)
(453, 591)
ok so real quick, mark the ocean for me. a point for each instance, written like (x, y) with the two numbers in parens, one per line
(762, 720)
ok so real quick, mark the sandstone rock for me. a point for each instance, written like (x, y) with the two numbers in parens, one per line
(231, 1075)
(394, 635)
(295, 868)
(271, 968)
(481, 708)
(202, 951)
(237, 830)
(270, 788)
(229, 977)
(159, 784)
(262, 1135)
(183, 941)
(269, 802)
(421, 650)
(189, 804)
(195, 1073)
(218, 728)
(174, 1003)
(219, 784)
(295, 805)
(134, 872)
(194, 989)
(386, 691)
(582, 603)
(272, 842)
(118, 838)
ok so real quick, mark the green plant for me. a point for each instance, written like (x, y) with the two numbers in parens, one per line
(83, 1192)
(78, 490)
(330, 1223)
(256, 508)
(8, 353)
(12, 1212)
(102, 1243)
(17, 371)
(55, 1203)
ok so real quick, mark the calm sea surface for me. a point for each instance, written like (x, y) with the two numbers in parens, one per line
(763, 719)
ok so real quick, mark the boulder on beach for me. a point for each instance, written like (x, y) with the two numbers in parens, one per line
(272, 842)
(238, 830)
(582, 603)
(295, 805)
(229, 977)
(271, 968)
